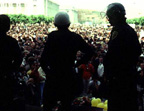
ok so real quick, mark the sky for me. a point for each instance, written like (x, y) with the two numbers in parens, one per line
(134, 8)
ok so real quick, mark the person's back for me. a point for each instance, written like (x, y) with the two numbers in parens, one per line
(123, 50)
(9, 51)
(57, 61)
(62, 47)
(10, 61)
(120, 61)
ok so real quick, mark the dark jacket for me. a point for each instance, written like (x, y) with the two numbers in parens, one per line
(120, 68)
(10, 61)
(10, 54)
(60, 52)
(123, 50)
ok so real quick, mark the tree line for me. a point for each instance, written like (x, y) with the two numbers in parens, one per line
(137, 21)
(32, 19)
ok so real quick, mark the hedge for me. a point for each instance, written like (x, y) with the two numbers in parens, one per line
(137, 21)
(20, 18)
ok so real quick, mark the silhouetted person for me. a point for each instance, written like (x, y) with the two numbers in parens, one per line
(120, 61)
(10, 61)
(57, 61)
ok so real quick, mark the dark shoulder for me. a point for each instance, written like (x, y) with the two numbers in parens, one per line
(65, 33)
(10, 39)
(123, 28)
(119, 28)
(125, 31)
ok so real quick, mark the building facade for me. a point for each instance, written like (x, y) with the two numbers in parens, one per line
(72, 13)
(52, 8)
(29, 7)
(89, 16)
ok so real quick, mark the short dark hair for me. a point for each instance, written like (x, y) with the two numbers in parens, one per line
(4, 23)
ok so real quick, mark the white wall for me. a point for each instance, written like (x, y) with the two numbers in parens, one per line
(32, 7)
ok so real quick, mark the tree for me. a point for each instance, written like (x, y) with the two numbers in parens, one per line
(20, 18)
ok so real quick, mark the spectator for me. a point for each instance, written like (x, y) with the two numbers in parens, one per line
(42, 76)
(57, 61)
(140, 86)
(93, 88)
(100, 69)
(32, 37)
(88, 71)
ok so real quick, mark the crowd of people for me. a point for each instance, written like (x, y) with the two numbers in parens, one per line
(32, 38)
(51, 64)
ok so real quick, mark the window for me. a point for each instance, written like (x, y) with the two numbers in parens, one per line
(7, 5)
(22, 5)
(14, 4)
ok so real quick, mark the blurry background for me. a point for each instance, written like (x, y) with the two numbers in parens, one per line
(80, 11)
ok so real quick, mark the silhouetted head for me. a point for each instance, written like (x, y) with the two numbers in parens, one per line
(116, 13)
(4, 23)
(62, 20)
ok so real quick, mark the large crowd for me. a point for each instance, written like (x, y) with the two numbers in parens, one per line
(31, 78)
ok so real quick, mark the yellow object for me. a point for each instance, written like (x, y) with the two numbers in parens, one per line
(105, 107)
(99, 100)
(100, 105)
(106, 102)
(94, 102)
(29, 72)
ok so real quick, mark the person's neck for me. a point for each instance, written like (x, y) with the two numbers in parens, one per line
(62, 29)
(120, 23)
